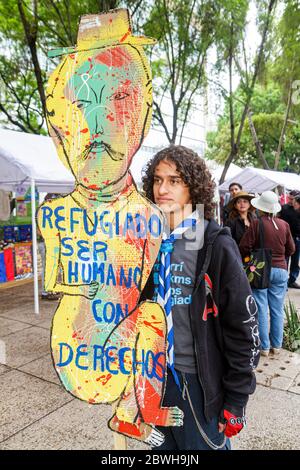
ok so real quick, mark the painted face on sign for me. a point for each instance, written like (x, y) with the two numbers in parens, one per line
(99, 111)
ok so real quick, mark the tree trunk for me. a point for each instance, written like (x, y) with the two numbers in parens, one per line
(31, 38)
(283, 130)
(257, 144)
(233, 154)
(231, 113)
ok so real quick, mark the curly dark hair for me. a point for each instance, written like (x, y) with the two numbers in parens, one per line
(192, 170)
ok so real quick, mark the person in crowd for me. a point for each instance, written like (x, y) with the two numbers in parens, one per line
(234, 188)
(292, 217)
(296, 203)
(241, 214)
(212, 349)
(278, 238)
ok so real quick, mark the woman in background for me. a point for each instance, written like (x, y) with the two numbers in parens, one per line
(278, 238)
(241, 215)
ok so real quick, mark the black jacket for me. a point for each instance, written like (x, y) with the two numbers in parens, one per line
(237, 227)
(292, 217)
(224, 324)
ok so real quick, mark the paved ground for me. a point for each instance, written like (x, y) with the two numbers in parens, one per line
(37, 413)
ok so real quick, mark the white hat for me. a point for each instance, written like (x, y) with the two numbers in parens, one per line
(267, 202)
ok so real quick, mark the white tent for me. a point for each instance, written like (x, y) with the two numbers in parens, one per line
(26, 157)
(256, 180)
(31, 160)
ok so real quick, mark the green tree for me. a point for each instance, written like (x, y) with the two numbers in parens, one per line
(267, 108)
(185, 30)
(285, 67)
(249, 74)
(28, 29)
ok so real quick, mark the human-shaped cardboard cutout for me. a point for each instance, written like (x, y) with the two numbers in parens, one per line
(104, 237)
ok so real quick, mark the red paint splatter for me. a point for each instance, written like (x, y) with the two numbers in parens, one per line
(116, 57)
(104, 379)
(129, 428)
(125, 36)
(94, 187)
(157, 330)
(84, 131)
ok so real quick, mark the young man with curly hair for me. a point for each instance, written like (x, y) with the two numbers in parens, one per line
(213, 343)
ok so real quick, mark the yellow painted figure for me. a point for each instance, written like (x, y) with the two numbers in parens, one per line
(104, 237)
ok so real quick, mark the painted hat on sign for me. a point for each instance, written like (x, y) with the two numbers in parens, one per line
(111, 28)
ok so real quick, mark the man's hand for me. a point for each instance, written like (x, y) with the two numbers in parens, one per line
(230, 424)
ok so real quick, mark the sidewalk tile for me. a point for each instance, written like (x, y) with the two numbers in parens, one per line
(285, 365)
(42, 368)
(46, 324)
(77, 425)
(4, 369)
(27, 315)
(281, 383)
(272, 421)
(8, 326)
(295, 388)
(25, 346)
(263, 379)
(24, 400)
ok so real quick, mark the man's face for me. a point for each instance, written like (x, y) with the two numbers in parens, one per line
(296, 205)
(290, 200)
(170, 192)
(102, 109)
(234, 190)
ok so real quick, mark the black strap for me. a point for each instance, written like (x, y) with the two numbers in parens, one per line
(261, 233)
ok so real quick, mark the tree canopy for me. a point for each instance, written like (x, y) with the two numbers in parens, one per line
(190, 33)
(274, 108)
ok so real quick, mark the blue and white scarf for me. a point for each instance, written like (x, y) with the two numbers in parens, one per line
(164, 282)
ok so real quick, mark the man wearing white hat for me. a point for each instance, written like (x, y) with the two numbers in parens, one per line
(277, 238)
